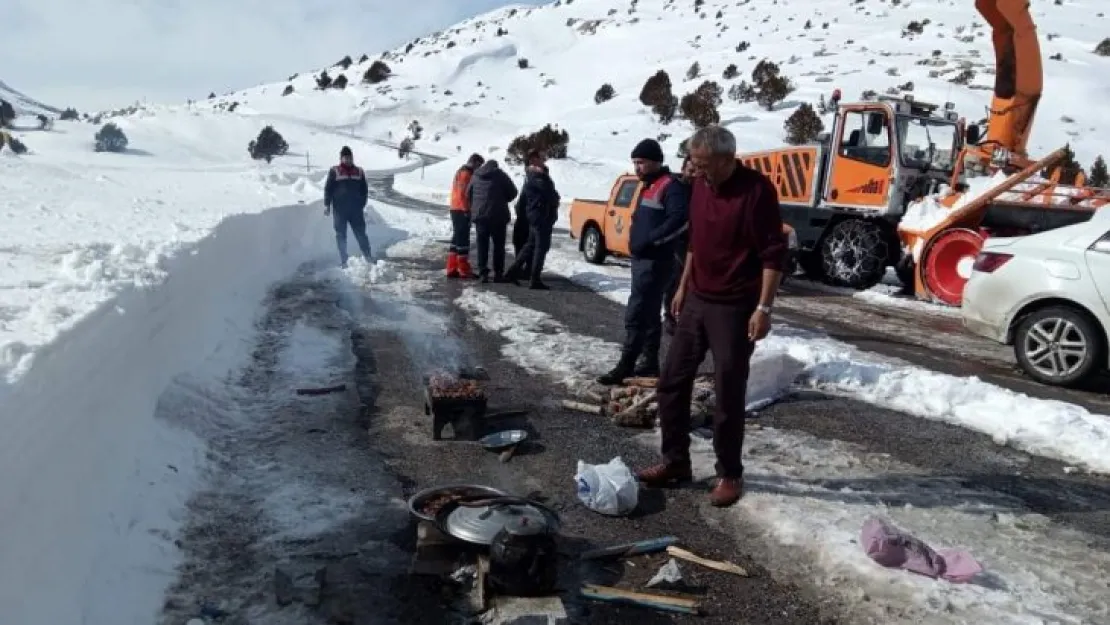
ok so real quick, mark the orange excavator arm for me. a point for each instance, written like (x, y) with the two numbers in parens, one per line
(1019, 75)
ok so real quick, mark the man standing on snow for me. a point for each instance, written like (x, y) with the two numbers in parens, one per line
(723, 304)
(657, 223)
(541, 205)
(458, 258)
(345, 195)
(489, 194)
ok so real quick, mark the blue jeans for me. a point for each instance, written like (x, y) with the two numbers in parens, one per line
(341, 218)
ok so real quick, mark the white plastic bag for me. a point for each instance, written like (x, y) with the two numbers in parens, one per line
(608, 488)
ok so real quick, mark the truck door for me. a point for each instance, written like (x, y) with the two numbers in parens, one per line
(618, 217)
(862, 160)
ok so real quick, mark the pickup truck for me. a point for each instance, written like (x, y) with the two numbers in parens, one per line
(602, 226)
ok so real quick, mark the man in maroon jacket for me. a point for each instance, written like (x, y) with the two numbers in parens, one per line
(733, 267)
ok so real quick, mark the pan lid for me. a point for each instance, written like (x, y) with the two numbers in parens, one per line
(479, 525)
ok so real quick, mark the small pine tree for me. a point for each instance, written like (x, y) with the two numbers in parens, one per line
(345, 62)
(340, 82)
(694, 71)
(742, 92)
(376, 73)
(731, 72)
(69, 114)
(269, 144)
(1103, 48)
(656, 93)
(364, 58)
(323, 81)
(1100, 177)
(803, 125)
(522, 63)
(288, 90)
(700, 106)
(110, 138)
(549, 139)
(604, 93)
(770, 85)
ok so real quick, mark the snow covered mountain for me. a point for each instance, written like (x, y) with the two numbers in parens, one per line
(23, 104)
(475, 86)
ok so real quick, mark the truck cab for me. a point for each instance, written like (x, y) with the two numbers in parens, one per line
(602, 226)
(845, 194)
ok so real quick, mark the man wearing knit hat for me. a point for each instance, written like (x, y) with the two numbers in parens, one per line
(345, 195)
(657, 224)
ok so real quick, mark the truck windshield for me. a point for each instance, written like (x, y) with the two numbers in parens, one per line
(927, 142)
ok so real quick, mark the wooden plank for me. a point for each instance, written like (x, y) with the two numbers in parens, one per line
(580, 407)
(724, 567)
(659, 602)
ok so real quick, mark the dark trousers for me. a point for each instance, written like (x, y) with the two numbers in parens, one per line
(533, 254)
(460, 233)
(721, 329)
(643, 328)
(674, 280)
(491, 234)
(340, 219)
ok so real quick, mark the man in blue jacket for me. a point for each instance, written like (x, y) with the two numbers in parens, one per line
(345, 195)
(657, 225)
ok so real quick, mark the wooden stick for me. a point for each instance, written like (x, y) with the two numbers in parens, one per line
(581, 407)
(724, 567)
(593, 397)
(643, 599)
(641, 382)
(630, 549)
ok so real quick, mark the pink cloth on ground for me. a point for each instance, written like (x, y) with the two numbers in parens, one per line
(894, 548)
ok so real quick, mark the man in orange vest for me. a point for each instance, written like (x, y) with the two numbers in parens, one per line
(458, 258)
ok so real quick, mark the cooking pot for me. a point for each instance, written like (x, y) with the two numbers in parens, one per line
(523, 558)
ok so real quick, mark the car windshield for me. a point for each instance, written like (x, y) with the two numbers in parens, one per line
(927, 142)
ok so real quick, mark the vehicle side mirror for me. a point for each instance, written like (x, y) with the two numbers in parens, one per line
(974, 134)
(876, 123)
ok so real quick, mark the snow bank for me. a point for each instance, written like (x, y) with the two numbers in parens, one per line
(813, 496)
(93, 480)
(539, 344)
(928, 212)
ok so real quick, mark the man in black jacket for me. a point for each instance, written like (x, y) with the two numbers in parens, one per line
(541, 205)
(657, 224)
(489, 194)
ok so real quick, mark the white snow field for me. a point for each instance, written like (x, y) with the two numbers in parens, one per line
(119, 272)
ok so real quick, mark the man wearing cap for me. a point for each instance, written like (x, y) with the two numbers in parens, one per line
(657, 224)
(345, 195)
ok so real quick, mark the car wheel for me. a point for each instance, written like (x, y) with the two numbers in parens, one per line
(1058, 345)
(593, 245)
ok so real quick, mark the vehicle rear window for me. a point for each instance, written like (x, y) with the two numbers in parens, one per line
(625, 193)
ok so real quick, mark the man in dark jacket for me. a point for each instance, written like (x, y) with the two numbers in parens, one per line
(733, 268)
(541, 205)
(657, 223)
(488, 195)
(345, 195)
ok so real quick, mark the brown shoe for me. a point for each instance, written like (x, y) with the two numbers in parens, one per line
(727, 491)
(662, 475)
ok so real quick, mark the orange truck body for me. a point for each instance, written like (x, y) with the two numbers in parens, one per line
(602, 227)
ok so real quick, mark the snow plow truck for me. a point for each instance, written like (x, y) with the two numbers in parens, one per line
(910, 185)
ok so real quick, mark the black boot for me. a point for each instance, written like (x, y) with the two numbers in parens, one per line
(536, 285)
(648, 367)
(624, 369)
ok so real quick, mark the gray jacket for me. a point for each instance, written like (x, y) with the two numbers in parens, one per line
(489, 192)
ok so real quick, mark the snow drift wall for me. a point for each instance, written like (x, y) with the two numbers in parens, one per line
(91, 480)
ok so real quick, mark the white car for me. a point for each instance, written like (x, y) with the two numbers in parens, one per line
(1047, 294)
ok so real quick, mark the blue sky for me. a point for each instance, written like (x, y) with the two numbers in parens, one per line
(96, 54)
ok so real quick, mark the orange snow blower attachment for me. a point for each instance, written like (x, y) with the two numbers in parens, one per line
(1003, 194)
(945, 237)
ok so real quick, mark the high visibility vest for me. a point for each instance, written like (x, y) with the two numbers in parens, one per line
(459, 200)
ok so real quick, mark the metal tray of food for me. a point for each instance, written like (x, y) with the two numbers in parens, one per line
(426, 503)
